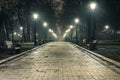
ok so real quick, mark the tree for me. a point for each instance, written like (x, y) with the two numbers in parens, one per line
(7, 8)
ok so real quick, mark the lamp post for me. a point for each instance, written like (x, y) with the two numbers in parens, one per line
(22, 29)
(45, 24)
(76, 20)
(71, 27)
(14, 35)
(93, 7)
(35, 16)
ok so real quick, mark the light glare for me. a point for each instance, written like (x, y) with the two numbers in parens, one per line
(35, 16)
(21, 28)
(50, 30)
(76, 20)
(54, 35)
(106, 27)
(71, 26)
(64, 35)
(45, 24)
(15, 33)
(93, 6)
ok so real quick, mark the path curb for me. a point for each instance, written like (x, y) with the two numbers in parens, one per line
(117, 64)
(18, 55)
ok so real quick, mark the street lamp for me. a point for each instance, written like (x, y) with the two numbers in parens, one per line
(64, 35)
(71, 27)
(107, 27)
(68, 30)
(76, 20)
(50, 30)
(20, 36)
(15, 33)
(21, 28)
(93, 28)
(45, 24)
(54, 35)
(93, 6)
(35, 16)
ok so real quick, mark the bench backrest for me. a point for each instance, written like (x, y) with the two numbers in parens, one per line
(9, 44)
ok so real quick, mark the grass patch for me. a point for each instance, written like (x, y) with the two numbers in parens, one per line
(28, 43)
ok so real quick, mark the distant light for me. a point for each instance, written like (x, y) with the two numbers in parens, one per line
(15, 33)
(21, 28)
(18, 34)
(76, 20)
(68, 30)
(35, 15)
(93, 6)
(71, 26)
(54, 35)
(118, 32)
(45, 24)
(50, 30)
(64, 35)
(106, 27)
(36, 34)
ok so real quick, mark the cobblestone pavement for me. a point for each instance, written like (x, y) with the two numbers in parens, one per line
(57, 61)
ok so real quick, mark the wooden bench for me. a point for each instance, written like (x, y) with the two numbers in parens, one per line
(12, 48)
(92, 45)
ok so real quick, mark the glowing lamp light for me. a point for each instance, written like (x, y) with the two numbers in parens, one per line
(64, 35)
(76, 20)
(93, 6)
(50, 30)
(106, 27)
(71, 26)
(45, 24)
(35, 15)
(15, 33)
(21, 28)
(54, 35)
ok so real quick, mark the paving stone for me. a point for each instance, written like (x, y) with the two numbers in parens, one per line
(57, 61)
